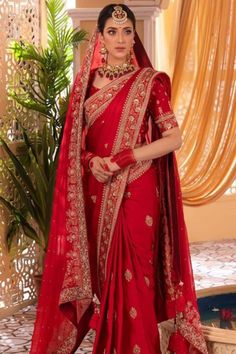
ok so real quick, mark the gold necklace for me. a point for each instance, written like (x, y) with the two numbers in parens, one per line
(114, 71)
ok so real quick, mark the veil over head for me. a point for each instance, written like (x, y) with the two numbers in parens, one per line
(65, 302)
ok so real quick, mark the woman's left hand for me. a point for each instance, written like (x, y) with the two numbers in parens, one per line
(113, 167)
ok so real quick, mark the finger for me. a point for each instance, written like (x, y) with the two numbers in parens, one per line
(101, 176)
(103, 172)
(101, 180)
(104, 166)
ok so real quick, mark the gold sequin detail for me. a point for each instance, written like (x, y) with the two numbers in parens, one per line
(149, 220)
(147, 281)
(136, 349)
(133, 312)
(127, 194)
(128, 275)
(94, 198)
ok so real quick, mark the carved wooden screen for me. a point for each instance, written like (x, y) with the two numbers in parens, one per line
(19, 19)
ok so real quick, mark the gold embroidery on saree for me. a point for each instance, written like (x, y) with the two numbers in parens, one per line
(96, 104)
(136, 349)
(127, 194)
(133, 313)
(147, 281)
(68, 343)
(126, 136)
(149, 220)
(94, 198)
(77, 282)
(128, 275)
(138, 170)
(191, 333)
(166, 121)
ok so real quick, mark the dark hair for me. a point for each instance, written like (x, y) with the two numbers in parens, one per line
(106, 13)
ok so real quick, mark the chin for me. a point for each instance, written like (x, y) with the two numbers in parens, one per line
(120, 56)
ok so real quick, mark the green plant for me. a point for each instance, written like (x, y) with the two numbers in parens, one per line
(45, 90)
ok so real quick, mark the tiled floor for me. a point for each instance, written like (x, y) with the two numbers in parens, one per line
(214, 264)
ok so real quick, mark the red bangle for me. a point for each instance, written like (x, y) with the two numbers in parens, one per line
(89, 162)
(124, 158)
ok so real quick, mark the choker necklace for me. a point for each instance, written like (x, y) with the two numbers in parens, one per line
(114, 71)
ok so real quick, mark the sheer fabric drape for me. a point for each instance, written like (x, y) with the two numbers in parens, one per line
(201, 53)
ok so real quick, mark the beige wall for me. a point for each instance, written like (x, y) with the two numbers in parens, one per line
(214, 221)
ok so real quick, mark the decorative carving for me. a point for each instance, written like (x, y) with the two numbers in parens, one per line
(19, 19)
(161, 4)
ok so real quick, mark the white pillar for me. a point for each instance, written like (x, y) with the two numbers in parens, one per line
(162, 4)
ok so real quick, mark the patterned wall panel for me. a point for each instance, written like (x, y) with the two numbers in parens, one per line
(19, 19)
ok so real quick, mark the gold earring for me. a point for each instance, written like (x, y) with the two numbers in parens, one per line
(103, 52)
(131, 56)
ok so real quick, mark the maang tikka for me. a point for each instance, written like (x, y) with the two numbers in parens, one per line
(119, 15)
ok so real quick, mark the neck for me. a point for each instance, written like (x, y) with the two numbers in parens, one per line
(115, 61)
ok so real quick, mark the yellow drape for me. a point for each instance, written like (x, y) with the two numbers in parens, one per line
(203, 61)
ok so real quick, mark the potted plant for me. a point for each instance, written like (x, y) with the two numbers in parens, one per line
(45, 90)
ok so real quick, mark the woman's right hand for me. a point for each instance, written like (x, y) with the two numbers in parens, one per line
(98, 169)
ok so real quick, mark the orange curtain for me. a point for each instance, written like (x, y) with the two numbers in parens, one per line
(203, 63)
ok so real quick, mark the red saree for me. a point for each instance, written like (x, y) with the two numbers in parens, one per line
(124, 241)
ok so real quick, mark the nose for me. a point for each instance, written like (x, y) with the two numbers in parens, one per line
(120, 37)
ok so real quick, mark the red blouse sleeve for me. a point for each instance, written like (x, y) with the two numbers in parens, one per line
(160, 107)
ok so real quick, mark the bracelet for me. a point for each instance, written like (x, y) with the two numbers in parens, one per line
(124, 158)
(89, 162)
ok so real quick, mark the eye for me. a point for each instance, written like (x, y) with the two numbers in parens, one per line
(128, 31)
(111, 32)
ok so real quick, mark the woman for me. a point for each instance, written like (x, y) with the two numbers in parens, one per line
(118, 258)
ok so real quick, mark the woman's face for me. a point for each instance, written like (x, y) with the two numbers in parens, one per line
(118, 40)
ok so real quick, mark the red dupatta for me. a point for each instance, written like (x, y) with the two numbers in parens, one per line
(64, 307)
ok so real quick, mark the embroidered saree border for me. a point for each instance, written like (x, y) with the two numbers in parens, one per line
(138, 170)
(191, 333)
(76, 286)
(126, 136)
(96, 104)
(68, 344)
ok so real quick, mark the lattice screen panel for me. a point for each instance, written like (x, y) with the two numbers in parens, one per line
(19, 19)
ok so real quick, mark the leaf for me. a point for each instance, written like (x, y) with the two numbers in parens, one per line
(25, 197)
(45, 150)
(19, 168)
(30, 232)
(19, 220)
(13, 228)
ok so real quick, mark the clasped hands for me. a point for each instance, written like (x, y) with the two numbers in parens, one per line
(104, 168)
